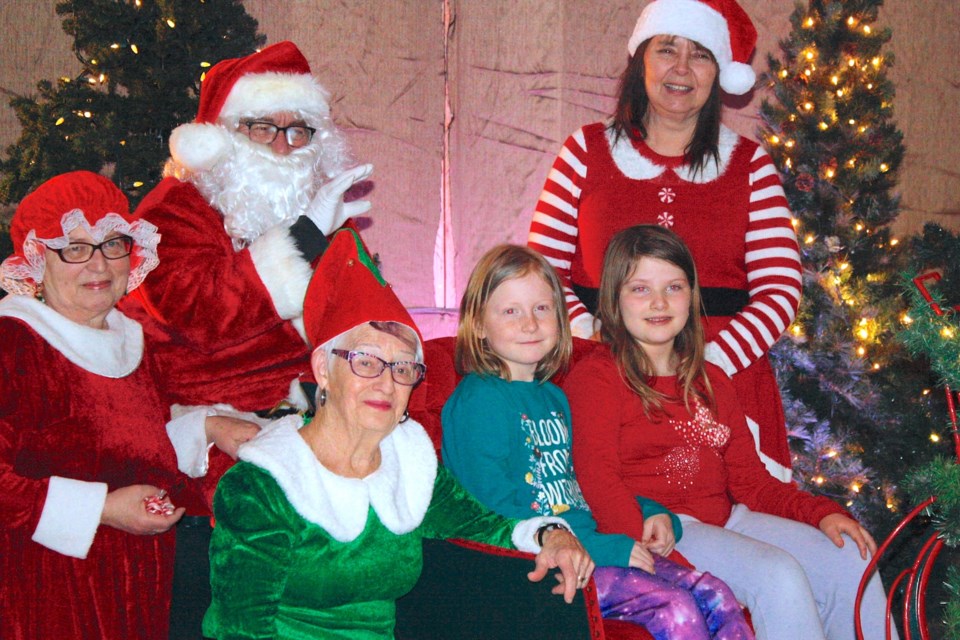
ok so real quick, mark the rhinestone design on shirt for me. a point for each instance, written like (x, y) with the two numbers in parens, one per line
(703, 431)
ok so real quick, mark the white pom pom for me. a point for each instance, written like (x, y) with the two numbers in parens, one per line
(199, 147)
(737, 78)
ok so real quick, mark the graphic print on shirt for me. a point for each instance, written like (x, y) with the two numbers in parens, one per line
(703, 435)
(550, 471)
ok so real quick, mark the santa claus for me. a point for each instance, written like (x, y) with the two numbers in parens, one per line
(254, 185)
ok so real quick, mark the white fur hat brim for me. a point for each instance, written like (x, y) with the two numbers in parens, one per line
(262, 94)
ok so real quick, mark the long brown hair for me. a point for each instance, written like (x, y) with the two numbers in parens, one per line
(633, 102)
(505, 262)
(623, 253)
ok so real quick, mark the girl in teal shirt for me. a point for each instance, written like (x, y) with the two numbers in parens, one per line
(506, 437)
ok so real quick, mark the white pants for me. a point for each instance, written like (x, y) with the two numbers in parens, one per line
(796, 583)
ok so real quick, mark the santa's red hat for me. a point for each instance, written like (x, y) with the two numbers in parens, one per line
(347, 291)
(276, 79)
(45, 218)
(721, 26)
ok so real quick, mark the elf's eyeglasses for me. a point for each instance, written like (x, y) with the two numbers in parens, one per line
(362, 364)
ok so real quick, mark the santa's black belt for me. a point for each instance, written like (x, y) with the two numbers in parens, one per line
(717, 301)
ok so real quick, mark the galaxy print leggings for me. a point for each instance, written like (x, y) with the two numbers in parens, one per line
(676, 603)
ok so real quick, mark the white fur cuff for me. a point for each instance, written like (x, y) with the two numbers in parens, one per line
(715, 355)
(525, 533)
(584, 326)
(71, 515)
(188, 436)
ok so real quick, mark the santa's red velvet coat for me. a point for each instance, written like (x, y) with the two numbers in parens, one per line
(223, 322)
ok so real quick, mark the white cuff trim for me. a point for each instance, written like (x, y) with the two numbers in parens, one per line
(71, 515)
(584, 326)
(282, 270)
(774, 468)
(715, 355)
(188, 436)
(524, 534)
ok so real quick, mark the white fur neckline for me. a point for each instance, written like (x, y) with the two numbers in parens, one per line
(114, 352)
(636, 166)
(399, 491)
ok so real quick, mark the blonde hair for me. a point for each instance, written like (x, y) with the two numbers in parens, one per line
(623, 253)
(505, 262)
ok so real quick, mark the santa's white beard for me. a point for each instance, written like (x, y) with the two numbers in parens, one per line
(255, 189)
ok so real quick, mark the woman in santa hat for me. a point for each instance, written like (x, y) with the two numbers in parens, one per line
(665, 158)
(86, 541)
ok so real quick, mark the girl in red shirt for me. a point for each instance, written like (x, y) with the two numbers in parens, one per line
(654, 419)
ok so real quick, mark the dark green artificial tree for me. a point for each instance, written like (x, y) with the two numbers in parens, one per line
(861, 409)
(142, 65)
(848, 385)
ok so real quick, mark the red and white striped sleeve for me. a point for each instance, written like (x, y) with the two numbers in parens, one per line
(773, 273)
(554, 229)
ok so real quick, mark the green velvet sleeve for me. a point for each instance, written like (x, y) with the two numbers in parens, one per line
(454, 513)
(250, 554)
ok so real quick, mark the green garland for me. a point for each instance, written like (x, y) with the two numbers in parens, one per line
(941, 478)
(935, 336)
(952, 611)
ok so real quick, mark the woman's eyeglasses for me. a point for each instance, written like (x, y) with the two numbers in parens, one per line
(112, 249)
(362, 364)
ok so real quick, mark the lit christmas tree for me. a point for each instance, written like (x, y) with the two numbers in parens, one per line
(848, 386)
(860, 408)
(143, 61)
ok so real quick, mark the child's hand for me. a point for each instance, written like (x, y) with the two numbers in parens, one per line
(641, 558)
(836, 524)
(658, 534)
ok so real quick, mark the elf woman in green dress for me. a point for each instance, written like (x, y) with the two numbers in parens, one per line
(319, 527)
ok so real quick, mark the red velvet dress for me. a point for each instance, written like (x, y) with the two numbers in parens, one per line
(60, 420)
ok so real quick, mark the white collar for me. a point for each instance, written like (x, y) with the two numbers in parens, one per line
(399, 491)
(638, 167)
(114, 352)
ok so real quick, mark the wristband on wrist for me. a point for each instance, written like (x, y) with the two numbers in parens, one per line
(550, 526)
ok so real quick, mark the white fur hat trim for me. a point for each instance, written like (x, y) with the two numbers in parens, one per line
(199, 147)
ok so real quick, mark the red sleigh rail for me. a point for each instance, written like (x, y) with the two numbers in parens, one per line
(917, 576)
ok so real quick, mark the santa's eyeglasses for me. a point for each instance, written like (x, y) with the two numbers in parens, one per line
(266, 132)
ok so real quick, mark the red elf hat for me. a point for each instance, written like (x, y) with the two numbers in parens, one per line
(347, 291)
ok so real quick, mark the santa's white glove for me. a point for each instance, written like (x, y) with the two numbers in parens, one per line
(328, 211)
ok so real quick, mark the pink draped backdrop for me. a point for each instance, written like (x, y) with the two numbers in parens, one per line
(461, 106)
